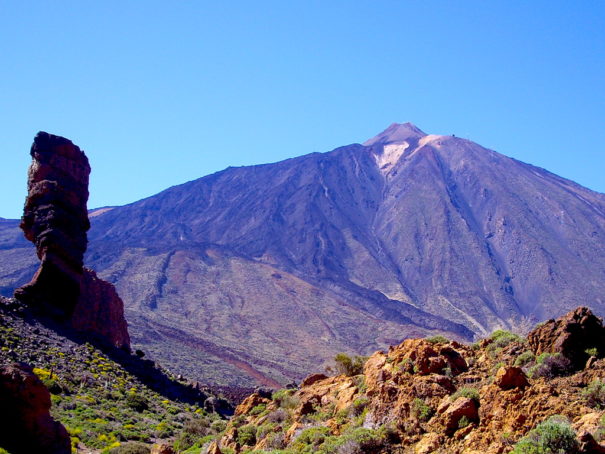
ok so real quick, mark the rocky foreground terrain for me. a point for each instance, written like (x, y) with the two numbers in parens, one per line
(103, 400)
(540, 394)
(259, 274)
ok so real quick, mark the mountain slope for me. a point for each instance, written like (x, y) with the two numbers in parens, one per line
(264, 272)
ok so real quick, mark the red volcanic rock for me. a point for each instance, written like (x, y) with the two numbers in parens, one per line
(25, 423)
(462, 407)
(313, 378)
(570, 335)
(510, 377)
(55, 219)
(100, 310)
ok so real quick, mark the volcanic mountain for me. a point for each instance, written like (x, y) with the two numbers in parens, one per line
(261, 274)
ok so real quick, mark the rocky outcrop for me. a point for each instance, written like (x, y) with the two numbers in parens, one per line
(571, 336)
(100, 310)
(26, 425)
(427, 396)
(510, 377)
(55, 219)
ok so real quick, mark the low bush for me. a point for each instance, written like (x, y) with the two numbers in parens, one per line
(554, 436)
(437, 339)
(310, 439)
(550, 365)
(524, 359)
(246, 435)
(136, 402)
(285, 399)
(469, 393)
(348, 365)
(500, 339)
(421, 410)
(130, 448)
(595, 394)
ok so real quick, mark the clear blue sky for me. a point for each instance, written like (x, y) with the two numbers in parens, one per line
(159, 93)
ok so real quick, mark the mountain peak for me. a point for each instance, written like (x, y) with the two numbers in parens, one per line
(396, 133)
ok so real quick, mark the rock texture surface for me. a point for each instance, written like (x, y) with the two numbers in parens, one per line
(352, 250)
(571, 336)
(100, 310)
(401, 404)
(26, 425)
(55, 219)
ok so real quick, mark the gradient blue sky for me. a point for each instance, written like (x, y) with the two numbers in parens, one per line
(159, 93)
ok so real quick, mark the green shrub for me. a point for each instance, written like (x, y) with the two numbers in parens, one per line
(550, 365)
(437, 339)
(595, 394)
(554, 436)
(524, 358)
(285, 399)
(421, 410)
(358, 406)
(592, 351)
(137, 402)
(130, 448)
(263, 430)
(463, 422)
(246, 435)
(311, 438)
(258, 409)
(349, 365)
(469, 393)
(500, 339)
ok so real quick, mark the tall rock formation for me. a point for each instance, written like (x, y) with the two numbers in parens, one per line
(55, 219)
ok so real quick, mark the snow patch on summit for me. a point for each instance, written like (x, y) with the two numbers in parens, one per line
(390, 156)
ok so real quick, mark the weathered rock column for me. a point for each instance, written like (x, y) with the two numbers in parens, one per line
(55, 219)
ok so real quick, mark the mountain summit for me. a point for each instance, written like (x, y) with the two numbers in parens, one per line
(396, 133)
(259, 274)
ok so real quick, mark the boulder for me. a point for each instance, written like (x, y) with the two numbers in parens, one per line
(460, 408)
(570, 335)
(588, 445)
(214, 448)
(26, 425)
(162, 448)
(313, 378)
(511, 377)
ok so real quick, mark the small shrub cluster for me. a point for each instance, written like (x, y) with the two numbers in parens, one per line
(500, 339)
(130, 448)
(469, 393)
(437, 339)
(554, 436)
(348, 365)
(285, 399)
(421, 410)
(549, 365)
(595, 394)
(524, 358)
